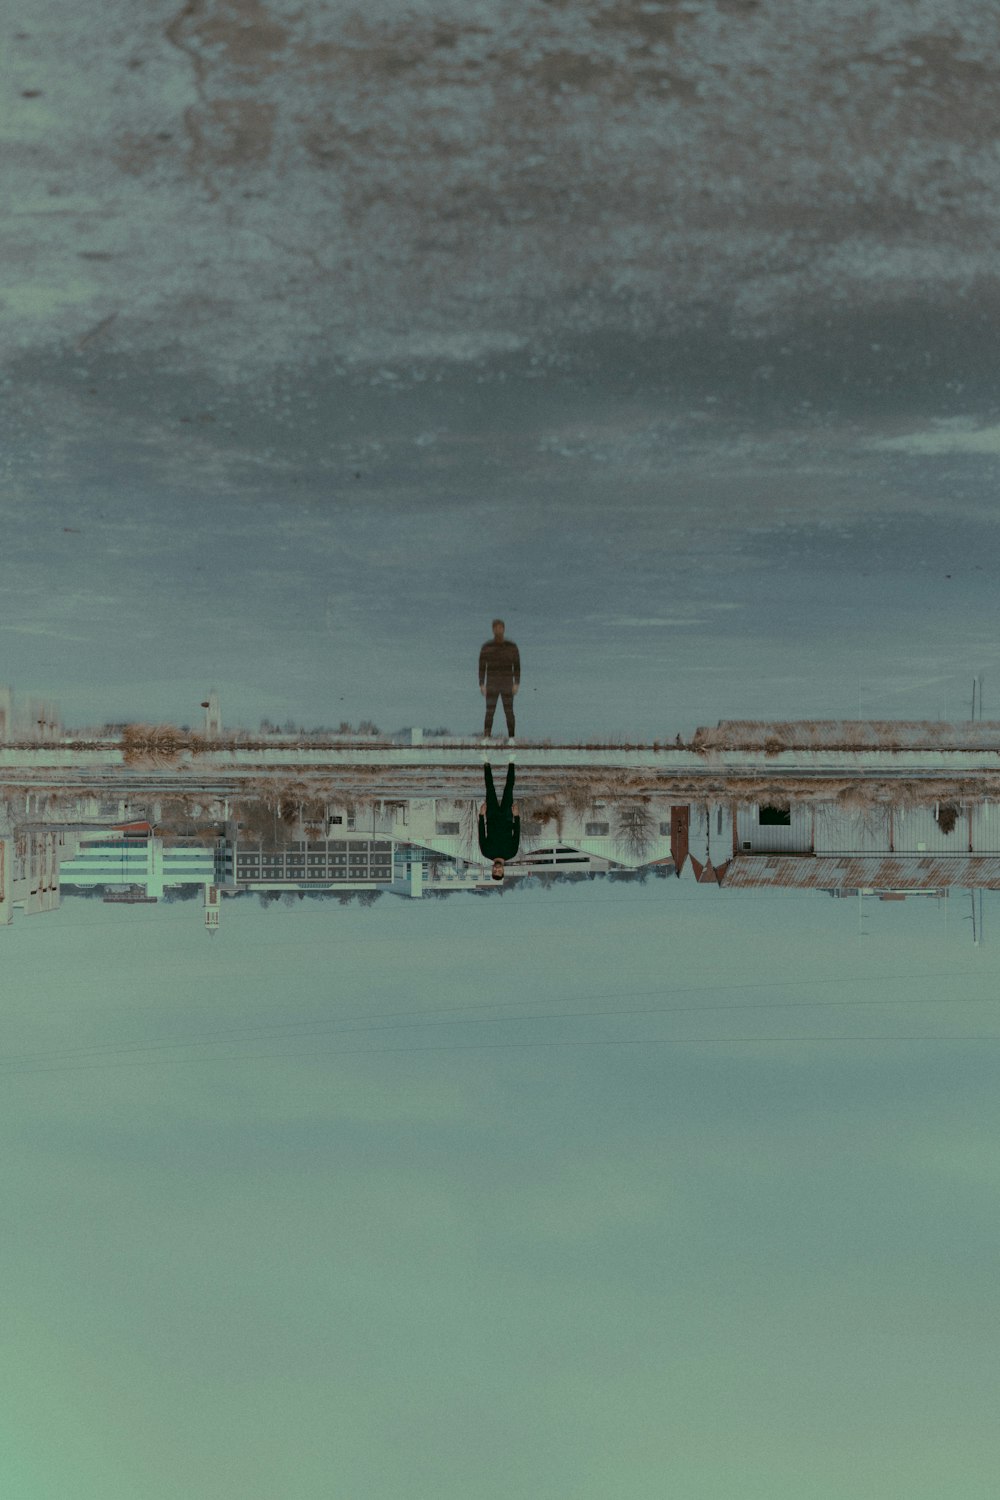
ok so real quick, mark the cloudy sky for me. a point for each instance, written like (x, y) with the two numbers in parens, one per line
(667, 331)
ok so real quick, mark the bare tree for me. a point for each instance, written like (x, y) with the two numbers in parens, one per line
(634, 827)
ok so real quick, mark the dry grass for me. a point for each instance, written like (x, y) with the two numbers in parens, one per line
(152, 745)
(162, 744)
(773, 737)
(545, 811)
(579, 792)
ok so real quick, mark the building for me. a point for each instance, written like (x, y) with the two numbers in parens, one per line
(894, 874)
(28, 719)
(310, 864)
(884, 850)
(142, 862)
(598, 838)
(29, 870)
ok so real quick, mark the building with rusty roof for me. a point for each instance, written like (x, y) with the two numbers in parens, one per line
(897, 873)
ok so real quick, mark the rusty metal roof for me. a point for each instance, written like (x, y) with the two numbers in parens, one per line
(913, 872)
(707, 873)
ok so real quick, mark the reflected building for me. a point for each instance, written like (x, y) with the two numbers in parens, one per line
(424, 846)
(138, 863)
(30, 870)
(882, 848)
(308, 864)
(28, 720)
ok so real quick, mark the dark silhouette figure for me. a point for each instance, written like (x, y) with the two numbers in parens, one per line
(499, 822)
(499, 677)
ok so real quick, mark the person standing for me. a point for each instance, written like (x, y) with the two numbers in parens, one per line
(499, 677)
(499, 822)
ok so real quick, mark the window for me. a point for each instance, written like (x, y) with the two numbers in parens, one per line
(597, 830)
(447, 828)
(664, 830)
(774, 816)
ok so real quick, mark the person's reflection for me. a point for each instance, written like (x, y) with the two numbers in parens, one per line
(499, 822)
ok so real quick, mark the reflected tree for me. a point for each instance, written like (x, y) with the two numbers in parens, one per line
(634, 827)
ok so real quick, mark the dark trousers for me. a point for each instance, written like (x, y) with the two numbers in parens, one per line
(506, 696)
(499, 814)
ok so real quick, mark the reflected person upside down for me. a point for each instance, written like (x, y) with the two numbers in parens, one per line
(499, 822)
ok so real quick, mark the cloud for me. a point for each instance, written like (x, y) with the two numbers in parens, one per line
(648, 621)
(58, 635)
(946, 435)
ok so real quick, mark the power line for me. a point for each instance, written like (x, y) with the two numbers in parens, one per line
(316, 1054)
(460, 1015)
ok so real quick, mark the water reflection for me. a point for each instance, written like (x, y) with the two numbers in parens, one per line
(499, 822)
(344, 848)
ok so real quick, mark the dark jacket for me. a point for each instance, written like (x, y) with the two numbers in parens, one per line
(500, 842)
(499, 665)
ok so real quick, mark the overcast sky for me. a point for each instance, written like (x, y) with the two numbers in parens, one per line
(667, 332)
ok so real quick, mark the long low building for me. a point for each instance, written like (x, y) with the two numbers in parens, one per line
(867, 872)
(146, 863)
(312, 863)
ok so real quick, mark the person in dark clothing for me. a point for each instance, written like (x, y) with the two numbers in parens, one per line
(499, 822)
(499, 677)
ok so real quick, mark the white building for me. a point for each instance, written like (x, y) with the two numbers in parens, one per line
(105, 857)
(29, 871)
(600, 838)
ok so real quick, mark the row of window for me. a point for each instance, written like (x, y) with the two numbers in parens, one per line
(592, 830)
(603, 830)
(290, 877)
(323, 846)
(314, 859)
(250, 871)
